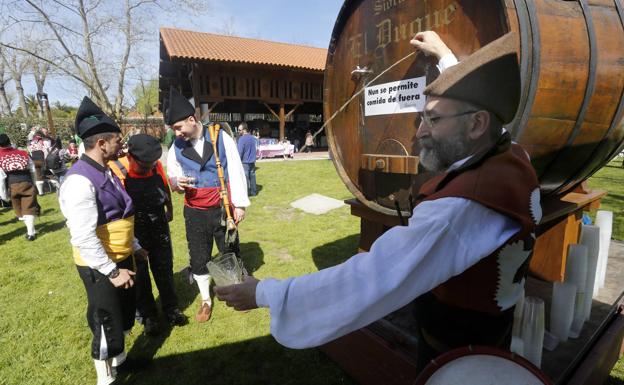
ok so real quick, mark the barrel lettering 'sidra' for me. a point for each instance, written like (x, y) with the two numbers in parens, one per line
(388, 31)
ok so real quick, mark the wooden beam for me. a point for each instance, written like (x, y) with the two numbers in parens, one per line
(271, 110)
(194, 80)
(282, 122)
(210, 108)
(293, 110)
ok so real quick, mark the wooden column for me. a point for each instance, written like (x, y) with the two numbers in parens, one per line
(194, 79)
(282, 122)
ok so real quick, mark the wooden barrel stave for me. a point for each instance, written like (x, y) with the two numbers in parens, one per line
(570, 117)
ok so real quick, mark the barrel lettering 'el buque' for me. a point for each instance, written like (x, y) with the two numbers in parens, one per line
(570, 118)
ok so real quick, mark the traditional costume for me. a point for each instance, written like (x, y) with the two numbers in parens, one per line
(464, 252)
(17, 168)
(150, 194)
(203, 213)
(100, 218)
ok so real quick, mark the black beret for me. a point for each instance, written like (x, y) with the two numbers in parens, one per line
(4, 140)
(177, 107)
(144, 148)
(91, 120)
(488, 78)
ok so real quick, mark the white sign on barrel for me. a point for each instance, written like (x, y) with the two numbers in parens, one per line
(399, 97)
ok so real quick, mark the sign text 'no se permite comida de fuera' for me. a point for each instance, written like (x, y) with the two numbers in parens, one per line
(399, 97)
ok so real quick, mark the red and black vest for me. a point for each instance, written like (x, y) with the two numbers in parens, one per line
(476, 306)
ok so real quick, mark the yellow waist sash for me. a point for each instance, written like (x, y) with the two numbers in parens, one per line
(116, 237)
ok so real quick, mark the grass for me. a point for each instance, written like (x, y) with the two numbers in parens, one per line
(44, 338)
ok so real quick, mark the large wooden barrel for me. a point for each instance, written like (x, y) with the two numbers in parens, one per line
(570, 118)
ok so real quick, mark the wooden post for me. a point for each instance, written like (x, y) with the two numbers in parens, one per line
(282, 122)
(195, 87)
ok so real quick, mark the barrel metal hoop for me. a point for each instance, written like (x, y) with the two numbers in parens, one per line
(521, 15)
(531, 17)
(589, 90)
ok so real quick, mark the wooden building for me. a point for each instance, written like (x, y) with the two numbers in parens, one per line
(244, 79)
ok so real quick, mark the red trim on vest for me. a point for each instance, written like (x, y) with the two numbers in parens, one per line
(204, 198)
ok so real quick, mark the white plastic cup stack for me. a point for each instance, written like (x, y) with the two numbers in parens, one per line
(604, 220)
(590, 237)
(517, 345)
(533, 329)
(576, 274)
(562, 310)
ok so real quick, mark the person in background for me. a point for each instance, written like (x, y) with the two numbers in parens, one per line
(169, 137)
(31, 134)
(309, 141)
(38, 149)
(463, 257)
(100, 219)
(144, 178)
(192, 170)
(71, 152)
(55, 161)
(247, 149)
(17, 167)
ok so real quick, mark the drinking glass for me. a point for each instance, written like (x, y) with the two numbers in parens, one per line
(191, 177)
(533, 329)
(226, 269)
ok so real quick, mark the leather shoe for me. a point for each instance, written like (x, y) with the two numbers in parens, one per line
(204, 313)
(30, 237)
(176, 317)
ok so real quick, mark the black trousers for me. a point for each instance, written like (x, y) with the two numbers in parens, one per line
(203, 227)
(110, 310)
(152, 230)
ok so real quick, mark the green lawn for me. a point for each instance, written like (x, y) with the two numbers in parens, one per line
(44, 338)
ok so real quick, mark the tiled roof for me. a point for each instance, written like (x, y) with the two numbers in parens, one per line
(181, 44)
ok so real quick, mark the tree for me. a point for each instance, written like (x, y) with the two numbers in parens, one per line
(146, 97)
(5, 105)
(16, 62)
(93, 41)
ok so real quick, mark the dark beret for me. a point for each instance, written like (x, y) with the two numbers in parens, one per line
(144, 148)
(488, 78)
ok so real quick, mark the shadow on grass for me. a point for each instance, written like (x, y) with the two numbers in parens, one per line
(147, 346)
(252, 256)
(256, 361)
(12, 220)
(41, 229)
(333, 253)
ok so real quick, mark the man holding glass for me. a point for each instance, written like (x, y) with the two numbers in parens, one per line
(192, 170)
(466, 248)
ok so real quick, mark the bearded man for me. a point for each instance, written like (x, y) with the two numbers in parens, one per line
(465, 251)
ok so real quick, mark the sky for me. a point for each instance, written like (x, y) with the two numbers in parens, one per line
(289, 21)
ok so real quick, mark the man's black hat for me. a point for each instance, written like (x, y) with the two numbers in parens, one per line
(144, 148)
(91, 120)
(178, 108)
(4, 140)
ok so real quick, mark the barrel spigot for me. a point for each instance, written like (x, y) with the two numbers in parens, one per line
(360, 72)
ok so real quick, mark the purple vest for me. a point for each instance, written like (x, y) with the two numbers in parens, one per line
(113, 203)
